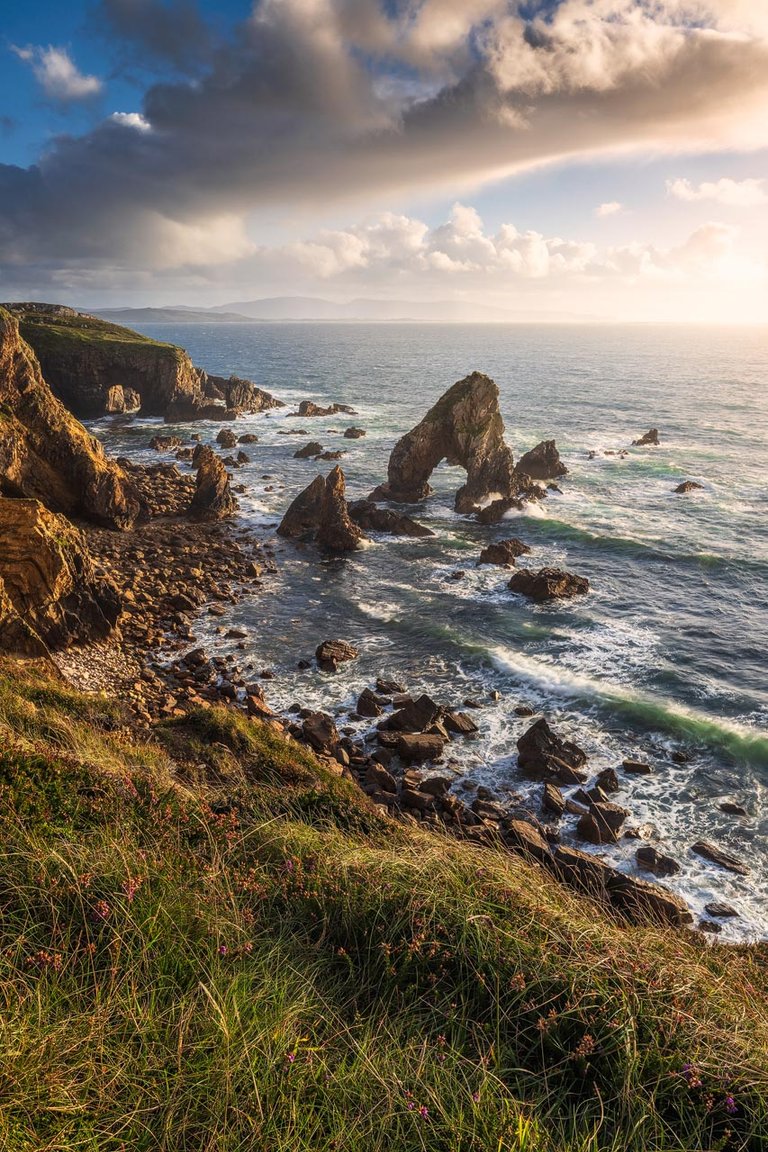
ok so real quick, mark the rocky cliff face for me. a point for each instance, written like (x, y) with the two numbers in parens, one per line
(464, 427)
(45, 453)
(50, 595)
(96, 368)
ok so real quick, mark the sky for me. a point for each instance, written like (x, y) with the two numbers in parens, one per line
(602, 159)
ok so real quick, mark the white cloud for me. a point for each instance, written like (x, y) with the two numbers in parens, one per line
(611, 208)
(57, 73)
(734, 193)
(133, 120)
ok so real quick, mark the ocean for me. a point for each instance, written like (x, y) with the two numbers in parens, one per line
(668, 651)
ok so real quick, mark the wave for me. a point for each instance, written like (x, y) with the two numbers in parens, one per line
(657, 714)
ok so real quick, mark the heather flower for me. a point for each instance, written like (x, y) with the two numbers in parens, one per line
(222, 950)
(424, 1112)
(731, 1106)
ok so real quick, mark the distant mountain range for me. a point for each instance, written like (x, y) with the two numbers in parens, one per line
(310, 308)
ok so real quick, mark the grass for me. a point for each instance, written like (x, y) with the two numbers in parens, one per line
(45, 331)
(210, 942)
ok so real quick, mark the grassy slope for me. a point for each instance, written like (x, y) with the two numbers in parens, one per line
(276, 967)
(45, 331)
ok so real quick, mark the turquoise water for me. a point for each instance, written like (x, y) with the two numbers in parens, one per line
(667, 653)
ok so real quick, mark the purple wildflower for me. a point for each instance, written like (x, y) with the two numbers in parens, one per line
(731, 1106)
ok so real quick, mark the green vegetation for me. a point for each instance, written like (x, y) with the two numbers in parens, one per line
(45, 331)
(210, 942)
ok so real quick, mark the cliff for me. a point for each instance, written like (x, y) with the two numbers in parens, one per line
(97, 368)
(45, 453)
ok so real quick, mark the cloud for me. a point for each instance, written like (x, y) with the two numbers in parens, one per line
(58, 75)
(315, 105)
(734, 193)
(611, 208)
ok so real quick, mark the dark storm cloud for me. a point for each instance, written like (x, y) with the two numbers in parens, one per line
(301, 109)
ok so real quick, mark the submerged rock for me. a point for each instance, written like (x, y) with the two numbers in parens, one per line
(314, 448)
(50, 595)
(331, 653)
(542, 462)
(226, 438)
(465, 428)
(503, 551)
(720, 857)
(371, 518)
(308, 408)
(548, 584)
(651, 860)
(688, 486)
(651, 437)
(354, 433)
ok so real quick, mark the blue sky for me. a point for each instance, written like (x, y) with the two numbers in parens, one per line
(603, 152)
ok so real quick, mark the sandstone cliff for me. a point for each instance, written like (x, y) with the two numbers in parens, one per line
(97, 368)
(50, 595)
(45, 453)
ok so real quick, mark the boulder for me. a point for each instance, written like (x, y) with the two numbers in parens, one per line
(314, 448)
(503, 552)
(637, 768)
(552, 800)
(368, 705)
(320, 514)
(213, 498)
(50, 595)
(416, 716)
(582, 871)
(542, 462)
(459, 724)
(607, 780)
(548, 584)
(732, 809)
(248, 438)
(320, 731)
(651, 437)
(389, 687)
(643, 901)
(418, 747)
(371, 518)
(378, 776)
(354, 433)
(331, 653)
(542, 753)
(165, 443)
(687, 486)
(308, 408)
(226, 438)
(602, 823)
(721, 911)
(720, 857)
(465, 428)
(522, 837)
(651, 860)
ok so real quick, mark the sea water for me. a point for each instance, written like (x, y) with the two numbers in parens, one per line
(668, 651)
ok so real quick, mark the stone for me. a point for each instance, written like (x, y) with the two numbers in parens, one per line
(602, 823)
(314, 448)
(320, 513)
(542, 753)
(720, 857)
(165, 443)
(687, 486)
(378, 775)
(608, 780)
(50, 595)
(523, 838)
(732, 809)
(637, 768)
(721, 911)
(320, 731)
(354, 433)
(542, 462)
(464, 427)
(651, 437)
(388, 687)
(459, 723)
(582, 871)
(418, 748)
(371, 518)
(552, 800)
(415, 716)
(503, 552)
(548, 584)
(248, 438)
(651, 860)
(213, 498)
(226, 438)
(641, 901)
(368, 705)
(331, 653)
